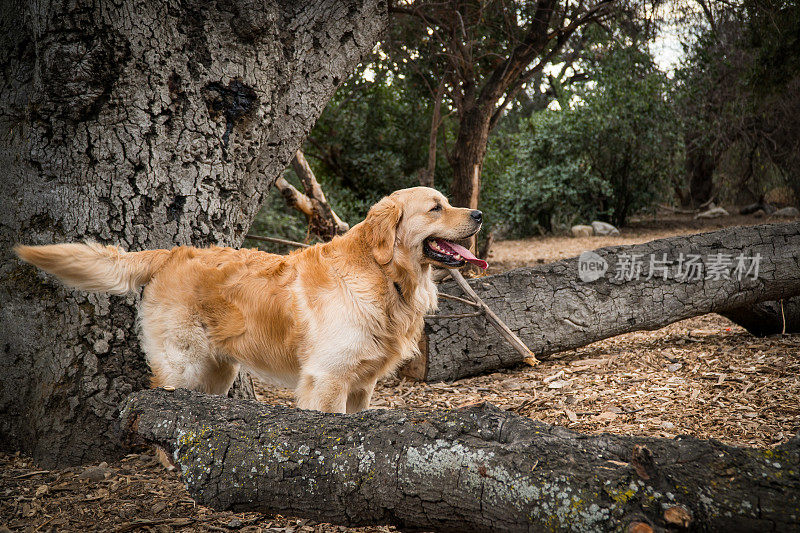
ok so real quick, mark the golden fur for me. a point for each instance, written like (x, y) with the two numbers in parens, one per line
(329, 320)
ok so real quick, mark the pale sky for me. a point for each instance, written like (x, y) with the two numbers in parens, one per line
(667, 50)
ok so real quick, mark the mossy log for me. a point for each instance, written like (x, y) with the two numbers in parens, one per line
(552, 310)
(473, 469)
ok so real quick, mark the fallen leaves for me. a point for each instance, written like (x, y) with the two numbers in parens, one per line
(134, 494)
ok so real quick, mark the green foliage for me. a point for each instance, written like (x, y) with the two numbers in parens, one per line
(276, 220)
(537, 178)
(773, 31)
(738, 95)
(609, 155)
(629, 132)
(371, 139)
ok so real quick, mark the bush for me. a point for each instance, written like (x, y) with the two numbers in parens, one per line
(629, 132)
(608, 156)
(536, 179)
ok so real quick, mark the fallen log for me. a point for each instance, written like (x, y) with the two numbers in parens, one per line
(768, 318)
(552, 309)
(475, 469)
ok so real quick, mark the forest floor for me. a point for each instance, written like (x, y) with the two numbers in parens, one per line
(704, 377)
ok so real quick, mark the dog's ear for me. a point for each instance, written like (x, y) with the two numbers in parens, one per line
(382, 221)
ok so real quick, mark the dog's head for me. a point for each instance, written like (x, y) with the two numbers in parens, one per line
(420, 224)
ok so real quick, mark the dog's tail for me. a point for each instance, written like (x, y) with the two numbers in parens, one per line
(94, 267)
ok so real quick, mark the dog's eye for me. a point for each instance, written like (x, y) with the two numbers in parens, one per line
(437, 207)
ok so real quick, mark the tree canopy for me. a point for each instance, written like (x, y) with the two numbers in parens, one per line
(581, 120)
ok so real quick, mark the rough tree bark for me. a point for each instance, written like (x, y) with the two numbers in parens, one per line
(700, 166)
(552, 310)
(468, 154)
(148, 125)
(474, 469)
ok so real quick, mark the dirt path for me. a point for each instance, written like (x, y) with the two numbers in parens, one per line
(704, 376)
(509, 254)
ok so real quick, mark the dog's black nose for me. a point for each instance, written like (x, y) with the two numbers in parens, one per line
(477, 215)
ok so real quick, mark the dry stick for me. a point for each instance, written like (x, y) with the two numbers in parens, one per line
(498, 324)
(783, 319)
(456, 298)
(456, 315)
(31, 474)
(277, 240)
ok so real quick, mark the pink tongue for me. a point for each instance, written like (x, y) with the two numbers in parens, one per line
(463, 252)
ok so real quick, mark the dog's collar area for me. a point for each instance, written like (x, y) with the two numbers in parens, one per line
(399, 290)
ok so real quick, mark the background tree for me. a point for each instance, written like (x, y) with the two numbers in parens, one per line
(609, 153)
(366, 144)
(393, 124)
(738, 93)
(144, 125)
(486, 52)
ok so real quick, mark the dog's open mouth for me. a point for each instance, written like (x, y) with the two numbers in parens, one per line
(450, 254)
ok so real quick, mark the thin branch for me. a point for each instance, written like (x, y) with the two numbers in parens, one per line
(429, 20)
(455, 315)
(457, 299)
(426, 177)
(494, 320)
(276, 240)
(512, 95)
(561, 35)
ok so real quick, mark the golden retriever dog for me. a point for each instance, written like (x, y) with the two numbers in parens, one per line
(327, 321)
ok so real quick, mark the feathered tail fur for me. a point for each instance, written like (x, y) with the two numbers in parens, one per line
(94, 267)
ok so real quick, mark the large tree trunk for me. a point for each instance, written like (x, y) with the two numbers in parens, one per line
(552, 310)
(468, 153)
(474, 469)
(143, 124)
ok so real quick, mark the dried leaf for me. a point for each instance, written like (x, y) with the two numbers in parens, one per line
(678, 516)
(607, 415)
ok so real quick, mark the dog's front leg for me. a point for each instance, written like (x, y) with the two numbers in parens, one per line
(359, 396)
(327, 393)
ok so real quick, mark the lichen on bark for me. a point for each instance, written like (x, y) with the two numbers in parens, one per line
(476, 469)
